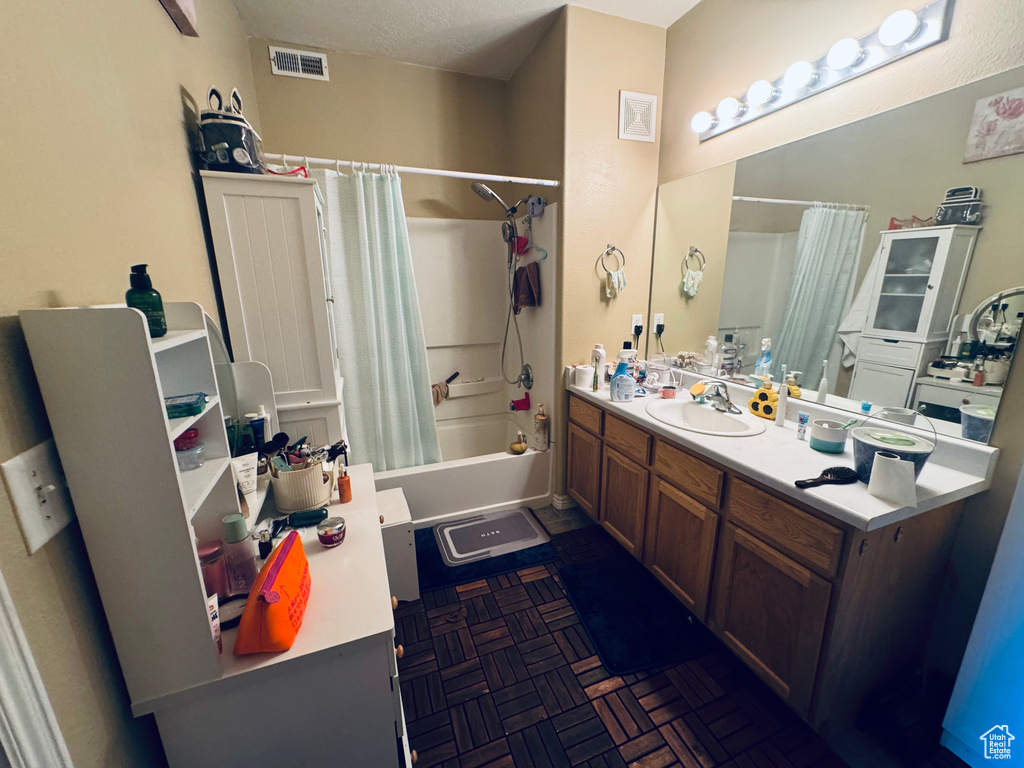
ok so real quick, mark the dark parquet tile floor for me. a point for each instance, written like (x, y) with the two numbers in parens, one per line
(500, 673)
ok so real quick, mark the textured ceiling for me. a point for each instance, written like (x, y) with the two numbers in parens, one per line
(478, 37)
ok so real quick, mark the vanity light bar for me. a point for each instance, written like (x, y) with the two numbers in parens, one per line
(901, 34)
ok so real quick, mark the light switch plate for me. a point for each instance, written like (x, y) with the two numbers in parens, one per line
(42, 502)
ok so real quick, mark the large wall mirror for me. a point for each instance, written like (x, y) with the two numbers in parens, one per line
(815, 245)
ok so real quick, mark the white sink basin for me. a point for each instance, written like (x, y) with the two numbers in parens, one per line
(704, 419)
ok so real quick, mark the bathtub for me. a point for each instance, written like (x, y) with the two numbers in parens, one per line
(465, 484)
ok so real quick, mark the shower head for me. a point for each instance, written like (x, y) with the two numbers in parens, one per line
(486, 193)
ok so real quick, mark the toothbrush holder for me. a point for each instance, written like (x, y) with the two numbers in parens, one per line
(828, 436)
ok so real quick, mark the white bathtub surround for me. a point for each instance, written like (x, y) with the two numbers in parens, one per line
(460, 273)
(957, 468)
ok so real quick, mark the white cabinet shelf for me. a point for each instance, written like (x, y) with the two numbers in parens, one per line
(175, 427)
(196, 484)
(174, 338)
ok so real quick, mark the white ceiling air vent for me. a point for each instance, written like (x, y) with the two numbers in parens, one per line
(637, 115)
(293, 63)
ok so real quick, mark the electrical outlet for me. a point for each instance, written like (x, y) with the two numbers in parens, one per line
(637, 320)
(659, 319)
(42, 503)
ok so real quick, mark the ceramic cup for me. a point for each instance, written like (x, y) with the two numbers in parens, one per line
(668, 392)
(827, 436)
(900, 415)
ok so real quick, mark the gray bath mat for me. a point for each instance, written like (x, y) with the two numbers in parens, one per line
(488, 535)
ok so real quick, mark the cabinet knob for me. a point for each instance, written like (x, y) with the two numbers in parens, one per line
(394, 603)
(399, 651)
(413, 755)
(930, 286)
(382, 519)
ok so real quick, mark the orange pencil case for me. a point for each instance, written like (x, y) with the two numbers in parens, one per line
(277, 601)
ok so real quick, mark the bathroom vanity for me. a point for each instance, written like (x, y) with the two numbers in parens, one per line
(824, 593)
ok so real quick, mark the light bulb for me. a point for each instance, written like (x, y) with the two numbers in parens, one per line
(701, 122)
(898, 28)
(799, 75)
(728, 108)
(760, 93)
(844, 54)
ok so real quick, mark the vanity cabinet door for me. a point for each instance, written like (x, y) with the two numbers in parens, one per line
(680, 545)
(771, 612)
(624, 500)
(583, 481)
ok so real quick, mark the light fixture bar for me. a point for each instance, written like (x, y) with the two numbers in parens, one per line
(933, 27)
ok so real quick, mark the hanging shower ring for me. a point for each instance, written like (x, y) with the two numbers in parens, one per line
(611, 249)
(695, 251)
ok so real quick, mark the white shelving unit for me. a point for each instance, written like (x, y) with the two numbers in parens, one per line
(104, 381)
(914, 297)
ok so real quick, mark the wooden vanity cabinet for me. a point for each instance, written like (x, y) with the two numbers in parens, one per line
(680, 544)
(821, 611)
(771, 612)
(583, 470)
(624, 500)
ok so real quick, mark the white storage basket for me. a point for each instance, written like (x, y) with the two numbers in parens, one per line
(301, 490)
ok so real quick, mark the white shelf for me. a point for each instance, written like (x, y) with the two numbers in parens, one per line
(196, 484)
(177, 426)
(175, 338)
(908, 295)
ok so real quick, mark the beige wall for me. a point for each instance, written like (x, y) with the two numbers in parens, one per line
(378, 110)
(721, 46)
(99, 177)
(610, 184)
(691, 211)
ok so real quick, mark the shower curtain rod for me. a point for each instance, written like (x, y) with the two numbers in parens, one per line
(849, 206)
(339, 164)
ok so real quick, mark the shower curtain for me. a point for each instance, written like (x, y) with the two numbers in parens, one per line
(389, 413)
(827, 250)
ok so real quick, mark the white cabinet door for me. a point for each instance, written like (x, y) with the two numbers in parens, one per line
(882, 384)
(267, 235)
(918, 288)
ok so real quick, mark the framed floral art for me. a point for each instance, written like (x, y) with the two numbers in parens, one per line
(997, 128)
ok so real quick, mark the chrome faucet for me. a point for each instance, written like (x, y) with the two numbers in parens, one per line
(717, 394)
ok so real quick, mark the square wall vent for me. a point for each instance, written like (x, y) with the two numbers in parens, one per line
(637, 116)
(293, 63)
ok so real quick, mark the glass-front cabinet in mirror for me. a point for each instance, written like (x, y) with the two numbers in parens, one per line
(844, 255)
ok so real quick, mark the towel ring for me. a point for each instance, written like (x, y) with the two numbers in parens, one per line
(610, 250)
(694, 251)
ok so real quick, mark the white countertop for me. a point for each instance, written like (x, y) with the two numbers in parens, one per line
(776, 458)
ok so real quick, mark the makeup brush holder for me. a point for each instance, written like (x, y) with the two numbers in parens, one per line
(301, 490)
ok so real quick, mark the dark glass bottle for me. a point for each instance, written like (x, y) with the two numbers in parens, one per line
(144, 297)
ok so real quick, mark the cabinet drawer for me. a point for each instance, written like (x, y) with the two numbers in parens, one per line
(586, 415)
(881, 384)
(691, 475)
(631, 442)
(902, 353)
(795, 532)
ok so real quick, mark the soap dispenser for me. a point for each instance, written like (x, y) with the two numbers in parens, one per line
(144, 297)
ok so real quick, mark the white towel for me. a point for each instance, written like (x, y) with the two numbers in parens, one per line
(852, 326)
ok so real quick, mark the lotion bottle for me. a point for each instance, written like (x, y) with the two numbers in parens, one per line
(144, 297)
(597, 358)
(240, 555)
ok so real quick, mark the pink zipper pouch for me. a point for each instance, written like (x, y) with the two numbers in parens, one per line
(277, 601)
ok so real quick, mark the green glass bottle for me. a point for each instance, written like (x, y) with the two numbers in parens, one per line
(147, 299)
